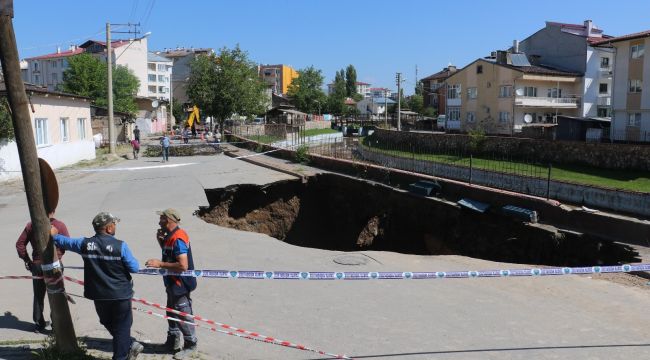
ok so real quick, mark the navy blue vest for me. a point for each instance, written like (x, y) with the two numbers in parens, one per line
(105, 275)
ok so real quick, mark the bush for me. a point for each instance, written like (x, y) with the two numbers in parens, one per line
(49, 351)
(302, 154)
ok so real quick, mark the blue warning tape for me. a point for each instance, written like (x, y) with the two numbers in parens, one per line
(406, 275)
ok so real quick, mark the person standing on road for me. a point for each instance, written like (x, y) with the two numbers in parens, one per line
(164, 143)
(108, 264)
(136, 133)
(135, 143)
(177, 257)
(33, 265)
(186, 135)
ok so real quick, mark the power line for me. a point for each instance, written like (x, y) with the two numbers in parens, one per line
(87, 37)
(134, 9)
(148, 13)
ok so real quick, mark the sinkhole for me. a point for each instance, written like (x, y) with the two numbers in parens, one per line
(336, 212)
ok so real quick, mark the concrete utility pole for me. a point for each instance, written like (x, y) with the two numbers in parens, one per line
(386, 107)
(399, 101)
(109, 62)
(66, 339)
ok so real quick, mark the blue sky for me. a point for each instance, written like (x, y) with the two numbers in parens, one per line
(378, 37)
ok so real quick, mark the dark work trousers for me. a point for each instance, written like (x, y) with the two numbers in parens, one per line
(39, 296)
(176, 330)
(117, 318)
(165, 153)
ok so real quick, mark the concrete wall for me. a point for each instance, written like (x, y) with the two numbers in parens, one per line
(616, 200)
(557, 49)
(605, 155)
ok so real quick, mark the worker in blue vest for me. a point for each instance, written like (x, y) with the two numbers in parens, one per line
(108, 264)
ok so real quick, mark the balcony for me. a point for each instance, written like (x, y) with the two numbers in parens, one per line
(604, 101)
(453, 124)
(533, 101)
(454, 101)
(606, 72)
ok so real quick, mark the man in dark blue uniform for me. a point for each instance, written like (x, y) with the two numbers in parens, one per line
(108, 264)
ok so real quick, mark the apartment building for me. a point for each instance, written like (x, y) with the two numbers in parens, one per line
(571, 47)
(379, 92)
(363, 88)
(159, 74)
(434, 89)
(501, 94)
(631, 86)
(47, 70)
(181, 59)
(278, 77)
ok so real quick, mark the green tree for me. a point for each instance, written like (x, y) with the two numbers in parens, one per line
(416, 103)
(86, 75)
(305, 90)
(6, 126)
(178, 111)
(336, 99)
(351, 81)
(225, 84)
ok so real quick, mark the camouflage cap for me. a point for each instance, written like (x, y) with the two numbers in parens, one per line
(104, 218)
(171, 214)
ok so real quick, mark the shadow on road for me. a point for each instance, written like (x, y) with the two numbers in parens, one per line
(469, 351)
(10, 321)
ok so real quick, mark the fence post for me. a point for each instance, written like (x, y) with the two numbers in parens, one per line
(470, 168)
(548, 182)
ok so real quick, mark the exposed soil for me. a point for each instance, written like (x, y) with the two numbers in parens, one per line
(340, 213)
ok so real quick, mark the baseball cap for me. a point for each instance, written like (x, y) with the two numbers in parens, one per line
(104, 218)
(171, 214)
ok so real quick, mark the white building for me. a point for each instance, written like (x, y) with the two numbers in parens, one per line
(62, 130)
(181, 59)
(47, 70)
(374, 106)
(363, 88)
(159, 75)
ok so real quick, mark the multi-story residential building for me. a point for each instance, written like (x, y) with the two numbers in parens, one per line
(363, 88)
(279, 77)
(570, 47)
(181, 59)
(501, 94)
(47, 70)
(434, 89)
(159, 74)
(631, 86)
(379, 92)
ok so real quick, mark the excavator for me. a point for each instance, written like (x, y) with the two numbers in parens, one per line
(193, 116)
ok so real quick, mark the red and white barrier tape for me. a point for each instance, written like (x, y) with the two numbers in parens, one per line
(247, 334)
(268, 340)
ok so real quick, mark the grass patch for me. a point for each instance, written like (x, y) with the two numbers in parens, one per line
(313, 132)
(49, 351)
(579, 174)
(266, 139)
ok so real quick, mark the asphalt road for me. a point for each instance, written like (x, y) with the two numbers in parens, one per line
(566, 317)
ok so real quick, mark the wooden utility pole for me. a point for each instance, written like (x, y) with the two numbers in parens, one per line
(66, 339)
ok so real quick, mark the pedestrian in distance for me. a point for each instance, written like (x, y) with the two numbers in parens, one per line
(135, 143)
(176, 257)
(164, 143)
(186, 135)
(33, 265)
(136, 133)
(108, 264)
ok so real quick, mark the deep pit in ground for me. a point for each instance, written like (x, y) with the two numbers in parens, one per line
(335, 212)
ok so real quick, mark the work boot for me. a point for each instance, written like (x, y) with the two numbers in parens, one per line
(136, 349)
(173, 343)
(189, 350)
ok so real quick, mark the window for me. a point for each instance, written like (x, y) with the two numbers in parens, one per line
(65, 130)
(267, 73)
(162, 67)
(635, 85)
(53, 63)
(162, 89)
(151, 66)
(63, 63)
(161, 78)
(471, 116)
(151, 77)
(479, 69)
(530, 91)
(454, 113)
(602, 89)
(554, 93)
(637, 51)
(634, 119)
(41, 132)
(37, 79)
(152, 88)
(453, 92)
(504, 116)
(35, 66)
(81, 128)
(604, 112)
(505, 91)
(604, 63)
(55, 78)
(472, 93)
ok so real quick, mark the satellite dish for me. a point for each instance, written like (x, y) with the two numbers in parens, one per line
(519, 92)
(528, 118)
(154, 104)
